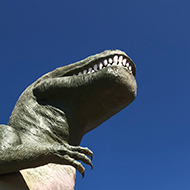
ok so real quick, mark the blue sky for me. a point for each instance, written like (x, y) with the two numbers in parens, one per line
(144, 147)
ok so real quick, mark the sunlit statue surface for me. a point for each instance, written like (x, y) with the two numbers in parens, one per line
(39, 148)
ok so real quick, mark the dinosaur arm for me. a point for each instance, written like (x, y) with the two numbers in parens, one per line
(21, 157)
(15, 155)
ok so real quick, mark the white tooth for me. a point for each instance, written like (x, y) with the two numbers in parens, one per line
(127, 64)
(105, 62)
(74, 75)
(90, 70)
(120, 59)
(85, 71)
(130, 68)
(115, 59)
(100, 65)
(95, 67)
(110, 60)
(79, 73)
(124, 62)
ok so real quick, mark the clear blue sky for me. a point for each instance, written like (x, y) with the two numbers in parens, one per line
(147, 145)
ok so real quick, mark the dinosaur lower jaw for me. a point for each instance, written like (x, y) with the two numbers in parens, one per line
(116, 60)
(101, 95)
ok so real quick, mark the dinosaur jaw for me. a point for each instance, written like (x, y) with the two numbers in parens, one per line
(99, 61)
(116, 60)
(101, 95)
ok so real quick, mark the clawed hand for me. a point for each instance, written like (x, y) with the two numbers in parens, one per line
(69, 155)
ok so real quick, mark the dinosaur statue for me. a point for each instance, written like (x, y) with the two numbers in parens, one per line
(40, 144)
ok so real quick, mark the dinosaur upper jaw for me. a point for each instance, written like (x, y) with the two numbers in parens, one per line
(93, 63)
(99, 61)
(112, 60)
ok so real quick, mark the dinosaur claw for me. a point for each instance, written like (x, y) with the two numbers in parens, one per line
(91, 166)
(83, 175)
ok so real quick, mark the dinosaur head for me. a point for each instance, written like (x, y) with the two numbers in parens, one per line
(92, 90)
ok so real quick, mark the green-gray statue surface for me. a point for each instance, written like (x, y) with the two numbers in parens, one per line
(56, 111)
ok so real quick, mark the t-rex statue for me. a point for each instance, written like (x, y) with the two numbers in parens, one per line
(39, 147)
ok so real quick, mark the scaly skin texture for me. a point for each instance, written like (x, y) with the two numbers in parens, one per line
(55, 112)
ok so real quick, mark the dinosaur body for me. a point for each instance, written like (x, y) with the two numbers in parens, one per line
(55, 112)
